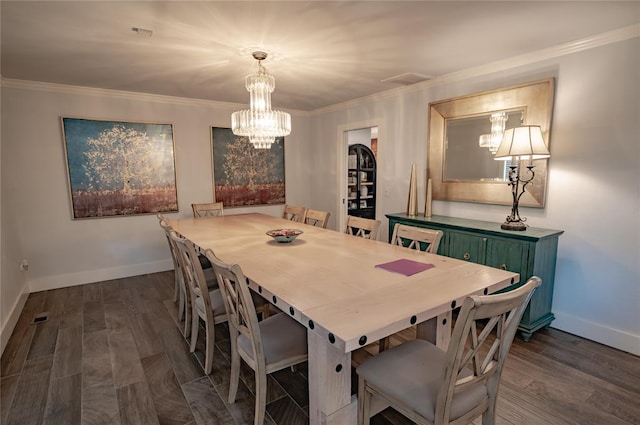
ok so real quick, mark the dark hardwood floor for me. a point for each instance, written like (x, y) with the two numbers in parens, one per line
(111, 353)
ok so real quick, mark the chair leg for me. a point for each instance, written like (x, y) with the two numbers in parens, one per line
(261, 398)
(187, 318)
(184, 311)
(181, 303)
(489, 415)
(364, 401)
(384, 344)
(195, 321)
(235, 370)
(176, 287)
(210, 330)
(266, 311)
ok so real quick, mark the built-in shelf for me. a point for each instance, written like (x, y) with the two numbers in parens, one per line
(361, 182)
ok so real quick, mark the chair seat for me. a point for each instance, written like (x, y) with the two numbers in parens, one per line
(412, 372)
(210, 277)
(217, 304)
(282, 338)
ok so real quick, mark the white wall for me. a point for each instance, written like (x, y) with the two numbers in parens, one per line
(594, 181)
(36, 214)
(13, 284)
(360, 136)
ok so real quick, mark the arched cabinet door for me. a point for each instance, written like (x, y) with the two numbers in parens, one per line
(361, 182)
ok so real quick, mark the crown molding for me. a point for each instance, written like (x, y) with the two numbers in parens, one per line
(564, 49)
(129, 95)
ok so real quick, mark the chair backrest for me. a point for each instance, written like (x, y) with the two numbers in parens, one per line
(497, 318)
(317, 218)
(212, 209)
(172, 248)
(362, 227)
(294, 213)
(238, 302)
(417, 238)
(193, 273)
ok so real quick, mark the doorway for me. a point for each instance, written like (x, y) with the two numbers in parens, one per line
(358, 173)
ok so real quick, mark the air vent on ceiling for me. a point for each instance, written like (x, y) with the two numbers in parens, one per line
(142, 32)
(407, 78)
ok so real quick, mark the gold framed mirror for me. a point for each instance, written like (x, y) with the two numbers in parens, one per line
(463, 132)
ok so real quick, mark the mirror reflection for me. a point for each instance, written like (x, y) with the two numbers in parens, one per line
(471, 142)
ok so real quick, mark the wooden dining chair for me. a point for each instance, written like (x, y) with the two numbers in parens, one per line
(362, 227)
(317, 218)
(431, 386)
(294, 213)
(273, 344)
(212, 209)
(179, 290)
(206, 304)
(417, 238)
(420, 239)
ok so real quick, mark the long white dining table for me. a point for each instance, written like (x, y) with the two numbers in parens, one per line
(328, 281)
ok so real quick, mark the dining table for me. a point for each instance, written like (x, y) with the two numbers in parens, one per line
(347, 291)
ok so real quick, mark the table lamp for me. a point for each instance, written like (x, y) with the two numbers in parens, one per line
(519, 144)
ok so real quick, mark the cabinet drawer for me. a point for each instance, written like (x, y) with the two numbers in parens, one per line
(508, 255)
(464, 246)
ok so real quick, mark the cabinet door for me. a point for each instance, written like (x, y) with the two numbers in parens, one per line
(464, 246)
(508, 255)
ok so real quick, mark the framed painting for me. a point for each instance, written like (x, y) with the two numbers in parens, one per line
(244, 176)
(118, 168)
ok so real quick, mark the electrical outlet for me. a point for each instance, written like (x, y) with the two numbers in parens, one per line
(24, 265)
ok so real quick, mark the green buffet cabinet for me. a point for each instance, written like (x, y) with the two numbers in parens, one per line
(529, 253)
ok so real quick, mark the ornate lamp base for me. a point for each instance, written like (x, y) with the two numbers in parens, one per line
(514, 225)
(514, 221)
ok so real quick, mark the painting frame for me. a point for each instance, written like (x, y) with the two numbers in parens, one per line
(244, 176)
(118, 168)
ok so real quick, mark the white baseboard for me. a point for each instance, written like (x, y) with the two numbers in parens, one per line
(12, 320)
(615, 338)
(90, 276)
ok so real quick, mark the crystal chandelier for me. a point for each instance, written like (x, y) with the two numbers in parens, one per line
(492, 141)
(261, 124)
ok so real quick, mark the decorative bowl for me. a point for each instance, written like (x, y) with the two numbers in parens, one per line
(284, 235)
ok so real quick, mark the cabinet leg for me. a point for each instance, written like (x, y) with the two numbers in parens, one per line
(526, 336)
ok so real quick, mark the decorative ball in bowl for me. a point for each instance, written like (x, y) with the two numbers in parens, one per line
(284, 235)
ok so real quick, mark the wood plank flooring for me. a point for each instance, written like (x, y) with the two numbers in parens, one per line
(111, 353)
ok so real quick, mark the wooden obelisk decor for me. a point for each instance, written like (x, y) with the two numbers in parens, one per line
(427, 203)
(412, 202)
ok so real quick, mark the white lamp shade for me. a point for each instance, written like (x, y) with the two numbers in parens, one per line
(525, 142)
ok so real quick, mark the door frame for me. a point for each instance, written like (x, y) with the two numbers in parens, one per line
(342, 162)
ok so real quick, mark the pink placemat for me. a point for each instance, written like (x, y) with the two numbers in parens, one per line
(405, 267)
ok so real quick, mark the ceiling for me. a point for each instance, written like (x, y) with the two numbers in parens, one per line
(320, 52)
